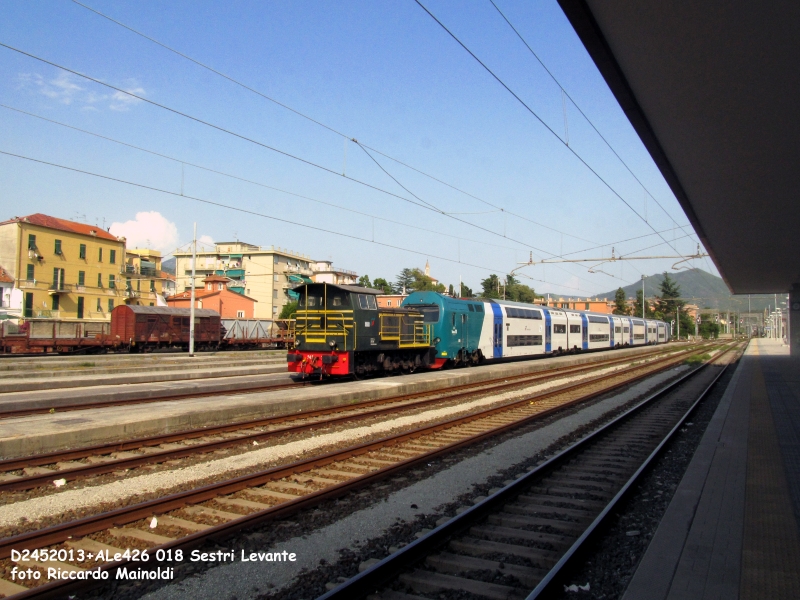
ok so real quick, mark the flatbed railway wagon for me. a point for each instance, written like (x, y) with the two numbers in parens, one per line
(340, 330)
(45, 336)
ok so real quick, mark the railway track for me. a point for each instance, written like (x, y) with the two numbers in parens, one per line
(26, 473)
(187, 518)
(515, 543)
(8, 414)
(46, 409)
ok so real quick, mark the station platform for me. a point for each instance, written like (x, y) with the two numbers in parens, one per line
(731, 530)
(36, 434)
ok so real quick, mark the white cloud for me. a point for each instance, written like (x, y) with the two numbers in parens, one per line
(68, 89)
(148, 230)
(205, 240)
(122, 102)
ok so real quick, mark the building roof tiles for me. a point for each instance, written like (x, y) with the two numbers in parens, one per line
(63, 225)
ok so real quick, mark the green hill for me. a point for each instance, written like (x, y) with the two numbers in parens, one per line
(698, 287)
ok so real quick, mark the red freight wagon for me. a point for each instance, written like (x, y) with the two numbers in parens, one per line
(161, 327)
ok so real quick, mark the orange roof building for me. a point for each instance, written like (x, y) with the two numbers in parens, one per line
(215, 295)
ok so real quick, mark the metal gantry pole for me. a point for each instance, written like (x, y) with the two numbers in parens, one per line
(643, 311)
(191, 305)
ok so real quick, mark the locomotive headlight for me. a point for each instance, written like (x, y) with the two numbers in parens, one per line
(332, 344)
(436, 340)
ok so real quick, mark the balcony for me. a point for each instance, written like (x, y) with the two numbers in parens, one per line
(29, 284)
(232, 273)
(61, 288)
(46, 314)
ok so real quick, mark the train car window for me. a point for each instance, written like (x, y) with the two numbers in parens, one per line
(574, 328)
(524, 340)
(627, 329)
(371, 303)
(559, 328)
(598, 319)
(479, 308)
(511, 312)
(618, 330)
(471, 308)
(597, 337)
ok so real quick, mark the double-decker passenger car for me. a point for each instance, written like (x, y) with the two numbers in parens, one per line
(470, 331)
(340, 330)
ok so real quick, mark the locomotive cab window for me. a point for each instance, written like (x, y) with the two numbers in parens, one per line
(430, 312)
(337, 300)
(310, 299)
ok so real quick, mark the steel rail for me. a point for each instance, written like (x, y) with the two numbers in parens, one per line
(570, 554)
(179, 396)
(398, 405)
(117, 517)
(370, 580)
(54, 534)
(8, 414)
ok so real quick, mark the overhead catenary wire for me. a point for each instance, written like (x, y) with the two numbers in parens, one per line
(251, 212)
(541, 121)
(504, 229)
(313, 120)
(185, 162)
(249, 181)
(583, 114)
(426, 206)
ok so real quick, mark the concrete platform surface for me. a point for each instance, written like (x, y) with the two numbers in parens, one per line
(731, 530)
(48, 432)
(122, 391)
(75, 380)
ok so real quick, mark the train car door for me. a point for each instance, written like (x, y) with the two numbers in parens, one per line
(498, 330)
(548, 335)
(585, 332)
(611, 331)
(630, 326)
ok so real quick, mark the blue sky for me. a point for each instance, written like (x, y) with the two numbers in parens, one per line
(383, 73)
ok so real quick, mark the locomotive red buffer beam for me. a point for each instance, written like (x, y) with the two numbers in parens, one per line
(325, 363)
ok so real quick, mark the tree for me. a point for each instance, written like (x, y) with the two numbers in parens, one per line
(708, 329)
(621, 303)
(451, 290)
(288, 310)
(517, 291)
(364, 281)
(669, 305)
(404, 280)
(423, 283)
(382, 284)
(491, 286)
(466, 292)
(637, 307)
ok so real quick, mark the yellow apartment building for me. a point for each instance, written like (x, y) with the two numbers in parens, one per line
(65, 270)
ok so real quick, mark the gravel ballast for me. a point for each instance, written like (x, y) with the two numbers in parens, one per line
(335, 549)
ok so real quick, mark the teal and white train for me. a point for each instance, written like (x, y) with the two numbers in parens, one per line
(469, 331)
